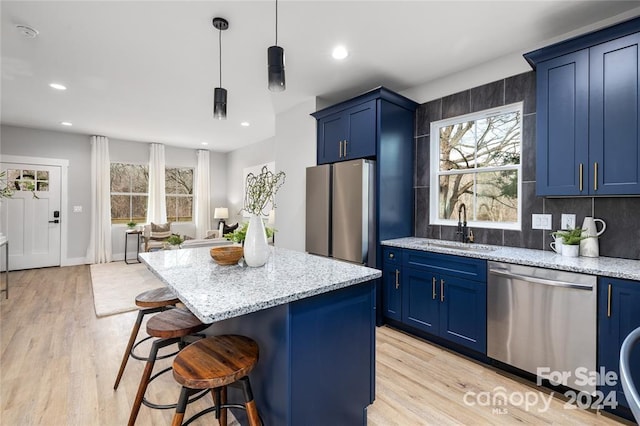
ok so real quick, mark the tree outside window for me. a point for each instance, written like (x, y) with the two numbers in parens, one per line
(476, 159)
(129, 192)
(179, 194)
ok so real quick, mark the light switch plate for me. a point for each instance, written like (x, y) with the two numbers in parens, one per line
(541, 221)
(568, 221)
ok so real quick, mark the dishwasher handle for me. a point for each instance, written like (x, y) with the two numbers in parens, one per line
(507, 274)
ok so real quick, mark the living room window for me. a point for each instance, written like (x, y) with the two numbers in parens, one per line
(179, 193)
(129, 186)
(475, 160)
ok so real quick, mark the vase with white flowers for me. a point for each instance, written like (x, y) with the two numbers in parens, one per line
(260, 190)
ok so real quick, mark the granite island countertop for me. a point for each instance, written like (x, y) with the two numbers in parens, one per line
(214, 293)
(603, 266)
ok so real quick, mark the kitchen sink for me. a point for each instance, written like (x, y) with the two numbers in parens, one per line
(458, 246)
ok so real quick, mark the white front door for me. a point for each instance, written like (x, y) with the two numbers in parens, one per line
(31, 216)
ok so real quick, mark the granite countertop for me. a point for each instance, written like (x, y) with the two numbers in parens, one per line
(213, 292)
(604, 266)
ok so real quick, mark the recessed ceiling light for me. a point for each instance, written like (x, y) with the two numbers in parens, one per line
(57, 86)
(204, 143)
(66, 123)
(245, 124)
(340, 52)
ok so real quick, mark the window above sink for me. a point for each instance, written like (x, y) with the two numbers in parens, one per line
(476, 160)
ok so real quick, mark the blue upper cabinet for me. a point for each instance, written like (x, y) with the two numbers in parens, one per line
(587, 119)
(348, 134)
(614, 136)
(562, 120)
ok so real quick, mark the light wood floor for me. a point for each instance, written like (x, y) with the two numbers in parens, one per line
(58, 362)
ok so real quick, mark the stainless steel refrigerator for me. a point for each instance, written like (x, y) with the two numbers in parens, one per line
(340, 211)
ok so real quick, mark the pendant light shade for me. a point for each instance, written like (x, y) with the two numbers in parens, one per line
(220, 94)
(276, 69)
(220, 103)
(275, 63)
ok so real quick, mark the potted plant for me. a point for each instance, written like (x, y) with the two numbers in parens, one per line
(131, 225)
(570, 241)
(239, 234)
(261, 189)
(174, 241)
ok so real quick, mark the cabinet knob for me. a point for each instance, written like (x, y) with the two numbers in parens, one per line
(391, 256)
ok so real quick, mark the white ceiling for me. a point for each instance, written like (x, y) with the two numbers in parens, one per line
(145, 70)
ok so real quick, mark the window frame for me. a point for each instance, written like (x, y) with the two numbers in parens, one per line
(129, 194)
(434, 163)
(192, 195)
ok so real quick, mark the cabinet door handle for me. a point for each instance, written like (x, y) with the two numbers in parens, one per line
(580, 178)
(340, 156)
(433, 288)
(595, 176)
(609, 301)
(442, 290)
(345, 148)
(397, 280)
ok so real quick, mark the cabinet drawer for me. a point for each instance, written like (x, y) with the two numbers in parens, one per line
(465, 267)
(392, 255)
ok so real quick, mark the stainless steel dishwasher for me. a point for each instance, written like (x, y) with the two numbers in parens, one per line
(543, 318)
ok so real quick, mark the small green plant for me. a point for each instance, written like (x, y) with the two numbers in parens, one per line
(570, 237)
(131, 225)
(175, 240)
(240, 233)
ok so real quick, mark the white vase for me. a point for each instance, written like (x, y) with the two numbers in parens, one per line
(256, 249)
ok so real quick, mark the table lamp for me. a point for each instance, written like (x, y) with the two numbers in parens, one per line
(221, 213)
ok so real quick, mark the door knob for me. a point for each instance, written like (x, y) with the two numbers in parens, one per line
(54, 221)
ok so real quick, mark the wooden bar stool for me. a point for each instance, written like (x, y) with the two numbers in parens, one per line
(171, 326)
(151, 301)
(214, 363)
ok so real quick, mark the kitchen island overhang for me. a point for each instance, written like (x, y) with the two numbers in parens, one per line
(313, 318)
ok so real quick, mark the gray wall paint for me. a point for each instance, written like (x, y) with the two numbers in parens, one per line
(77, 149)
(618, 213)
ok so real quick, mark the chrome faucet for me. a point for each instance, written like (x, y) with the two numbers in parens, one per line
(463, 231)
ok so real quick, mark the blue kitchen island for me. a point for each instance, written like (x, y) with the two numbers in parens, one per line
(313, 318)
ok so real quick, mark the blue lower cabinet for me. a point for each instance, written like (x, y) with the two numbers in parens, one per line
(420, 305)
(463, 312)
(618, 315)
(442, 295)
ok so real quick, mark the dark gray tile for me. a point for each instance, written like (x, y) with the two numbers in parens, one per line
(422, 212)
(527, 237)
(581, 207)
(456, 104)
(487, 96)
(522, 88)
(528, 157)
(425, 114)
(449, 233)
(434, 232)
(622, 236)
(487, 236)
(421, 177)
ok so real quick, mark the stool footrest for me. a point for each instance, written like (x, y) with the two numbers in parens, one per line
(146, 358)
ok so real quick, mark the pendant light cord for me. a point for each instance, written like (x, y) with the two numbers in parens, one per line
(220, 51)
(276, 22)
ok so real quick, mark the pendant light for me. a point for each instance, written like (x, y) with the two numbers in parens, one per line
(275, 61)
(220, 94)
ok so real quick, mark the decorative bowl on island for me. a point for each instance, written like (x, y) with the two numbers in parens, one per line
(226, 255)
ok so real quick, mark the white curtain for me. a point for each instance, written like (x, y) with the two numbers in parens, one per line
(202, 205)
(157, 205)
(99, 250)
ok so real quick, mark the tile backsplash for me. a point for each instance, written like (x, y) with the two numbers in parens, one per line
(622, 236)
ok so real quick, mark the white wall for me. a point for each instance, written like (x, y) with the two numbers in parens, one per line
(295, 150)
(257, 153)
